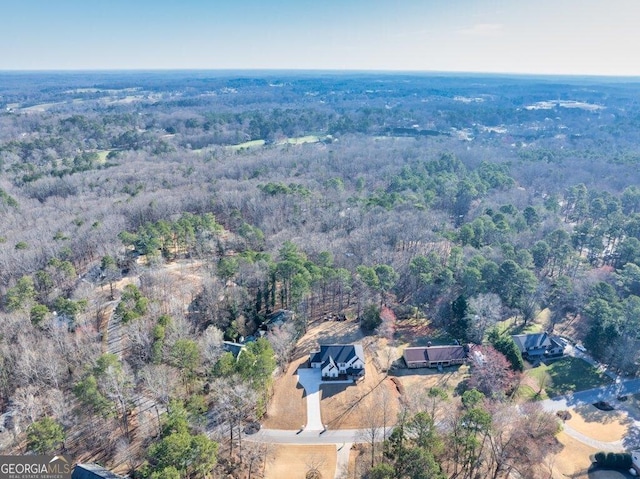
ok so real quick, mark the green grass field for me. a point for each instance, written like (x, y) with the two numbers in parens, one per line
(568, 375)
(300, 140)
(102, 155)
(247, 144)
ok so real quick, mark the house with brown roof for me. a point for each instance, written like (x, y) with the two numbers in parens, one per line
(434, 356)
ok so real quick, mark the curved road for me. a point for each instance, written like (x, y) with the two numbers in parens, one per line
(590, 396)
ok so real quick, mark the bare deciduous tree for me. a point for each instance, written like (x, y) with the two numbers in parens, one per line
(283, 342)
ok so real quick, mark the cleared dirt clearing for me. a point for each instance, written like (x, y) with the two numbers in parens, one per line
(287, 408)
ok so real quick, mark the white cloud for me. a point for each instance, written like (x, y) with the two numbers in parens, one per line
(483, 30)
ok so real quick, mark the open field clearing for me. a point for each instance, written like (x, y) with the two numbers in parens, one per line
(301, 140)
(293, 462)
(246, 144)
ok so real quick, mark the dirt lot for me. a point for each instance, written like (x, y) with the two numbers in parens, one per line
(343, 406)
(328, 332)
(288, 407)
(293, 462)
(350, 406)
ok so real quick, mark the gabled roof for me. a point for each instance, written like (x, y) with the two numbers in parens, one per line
(327, 362)
(536, 341)
(555, 343)
(92, 471)
(340, 353)
(415, 355)
(445, 353)
(434, 353)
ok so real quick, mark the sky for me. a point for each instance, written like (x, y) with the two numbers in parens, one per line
(579, 37)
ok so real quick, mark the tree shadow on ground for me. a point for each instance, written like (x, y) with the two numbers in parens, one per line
(330, 390)
(590, 413)
(596, 473)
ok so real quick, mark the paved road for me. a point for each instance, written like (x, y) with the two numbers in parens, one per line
(331, 436)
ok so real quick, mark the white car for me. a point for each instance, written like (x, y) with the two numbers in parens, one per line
(581, 348)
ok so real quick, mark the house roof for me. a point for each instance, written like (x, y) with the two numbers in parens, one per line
(415, 355)
(555, 343)
(233, 348)
(280, 316)
(340, 353)
(526, 341)
(445, 353)
(327, 362)
(434, 353)
(92, 471)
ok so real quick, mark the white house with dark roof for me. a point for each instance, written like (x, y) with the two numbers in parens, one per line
(337, 361)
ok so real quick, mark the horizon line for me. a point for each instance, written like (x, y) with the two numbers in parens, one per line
(345, 71)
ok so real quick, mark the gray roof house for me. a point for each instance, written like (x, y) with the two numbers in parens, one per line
(92, 471)
(538, 345)
(337, 361)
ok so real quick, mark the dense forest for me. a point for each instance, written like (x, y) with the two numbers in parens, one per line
(178, 210)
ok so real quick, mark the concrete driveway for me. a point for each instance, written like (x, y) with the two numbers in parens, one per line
(310, 379)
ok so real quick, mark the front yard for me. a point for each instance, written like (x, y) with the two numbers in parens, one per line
(564, 376)
(286, 461)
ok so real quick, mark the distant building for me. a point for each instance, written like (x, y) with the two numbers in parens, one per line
(434, 356)
(93, 471)
(277, 318)
(337, 361)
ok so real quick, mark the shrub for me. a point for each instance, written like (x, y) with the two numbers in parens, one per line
(370, 318)
(613, 460)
